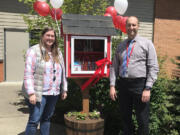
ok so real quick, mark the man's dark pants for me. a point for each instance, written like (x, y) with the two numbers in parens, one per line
(130, 94)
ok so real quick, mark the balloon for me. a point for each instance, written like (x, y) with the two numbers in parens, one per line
(121, 6)
(120, 23)
(35, 5)
(123, 24)
(117, 21)
(114, 21)
(111, 10)
(56, 3)
(107, 14)
(56, 13)
(42, 8)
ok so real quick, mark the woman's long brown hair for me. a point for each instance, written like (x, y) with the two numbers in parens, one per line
(54, 48)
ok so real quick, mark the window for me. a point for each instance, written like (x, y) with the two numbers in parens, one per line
(85, 52)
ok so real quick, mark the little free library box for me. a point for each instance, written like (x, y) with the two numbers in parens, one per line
(87, 39)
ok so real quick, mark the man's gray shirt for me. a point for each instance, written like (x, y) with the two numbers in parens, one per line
(142, 62)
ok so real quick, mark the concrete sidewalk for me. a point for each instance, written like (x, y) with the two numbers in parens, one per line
(14, 113)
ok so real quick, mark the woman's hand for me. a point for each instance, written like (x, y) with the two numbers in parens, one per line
(64, 95)
(32, 99)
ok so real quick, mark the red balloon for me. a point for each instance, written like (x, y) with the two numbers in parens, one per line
(114, 21)
(120, 23)
(117, 21)
(107, 14)
(35, 5)
(56, 13)
(42, 8)
(111, 10)
(123, 24)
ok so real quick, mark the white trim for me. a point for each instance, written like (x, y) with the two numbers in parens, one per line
(72, 53)
(110, 49)
(66, 55)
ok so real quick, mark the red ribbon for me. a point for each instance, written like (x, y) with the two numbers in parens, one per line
(99, 73)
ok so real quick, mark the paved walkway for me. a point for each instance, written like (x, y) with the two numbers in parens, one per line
(14, 113)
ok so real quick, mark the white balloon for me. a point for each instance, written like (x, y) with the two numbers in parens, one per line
(56, 3)
(121, 6)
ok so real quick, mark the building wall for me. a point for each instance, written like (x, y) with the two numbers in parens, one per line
(10, 17)
(144, 10)
(13, 6)
(9, 20)
(167, 31)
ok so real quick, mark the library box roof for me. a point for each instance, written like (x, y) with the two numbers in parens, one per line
(76, 24)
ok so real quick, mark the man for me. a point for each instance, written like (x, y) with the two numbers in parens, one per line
(135, 62)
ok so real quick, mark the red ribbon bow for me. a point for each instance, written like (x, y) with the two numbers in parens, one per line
(99, 73)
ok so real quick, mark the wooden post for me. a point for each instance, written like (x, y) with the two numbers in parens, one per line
(85, 102)
(85, 95)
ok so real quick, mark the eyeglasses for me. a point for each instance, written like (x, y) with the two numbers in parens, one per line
(54, 72)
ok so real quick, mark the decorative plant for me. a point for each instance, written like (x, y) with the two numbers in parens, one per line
(83, 116)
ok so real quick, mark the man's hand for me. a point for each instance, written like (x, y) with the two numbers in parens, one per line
(112, 93)
(64, 95)
(32, 99)
(146, 95)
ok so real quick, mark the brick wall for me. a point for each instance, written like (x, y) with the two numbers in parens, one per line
(167, 31)
(1, 72)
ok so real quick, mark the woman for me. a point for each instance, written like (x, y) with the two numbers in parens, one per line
(44, 80)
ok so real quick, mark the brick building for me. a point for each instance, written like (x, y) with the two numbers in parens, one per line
(167, 31)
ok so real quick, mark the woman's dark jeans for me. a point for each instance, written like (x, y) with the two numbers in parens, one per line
(41, 113)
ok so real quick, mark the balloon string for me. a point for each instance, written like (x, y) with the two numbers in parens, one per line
(57, 24)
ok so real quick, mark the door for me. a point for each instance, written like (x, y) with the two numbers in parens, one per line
(16, 44)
